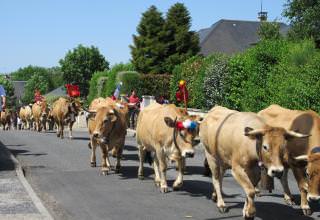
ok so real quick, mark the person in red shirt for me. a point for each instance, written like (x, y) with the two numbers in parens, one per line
(37, 97)
(134, 105)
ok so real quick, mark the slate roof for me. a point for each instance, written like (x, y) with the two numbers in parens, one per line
(18, 88)
(60, 91)
(231, 36)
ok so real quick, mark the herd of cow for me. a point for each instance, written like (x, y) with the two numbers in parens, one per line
(274, 140)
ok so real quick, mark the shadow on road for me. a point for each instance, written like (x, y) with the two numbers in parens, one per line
(131, 172)
(5, 161)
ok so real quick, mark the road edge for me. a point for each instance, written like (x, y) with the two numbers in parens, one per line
(35, 199)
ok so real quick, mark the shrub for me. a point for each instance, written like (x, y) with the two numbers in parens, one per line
(110, 86)
(156, 85)
(215, 81)
(94, 90)
(193, 71)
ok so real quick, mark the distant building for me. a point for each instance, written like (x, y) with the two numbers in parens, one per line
(231, 36)
(60, 91)
(19, 89)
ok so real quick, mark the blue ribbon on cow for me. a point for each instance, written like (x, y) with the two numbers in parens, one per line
(193, 125)
(315, 150)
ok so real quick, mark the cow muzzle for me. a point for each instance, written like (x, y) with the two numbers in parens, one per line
(275, 171)
(188, 153)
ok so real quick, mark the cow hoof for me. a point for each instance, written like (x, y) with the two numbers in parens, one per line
(140, 177)
(104, 173)
(58, 135)
(177, 186)
(164, 189)
(307, 212)
(117, 170)
(289, 201)
(222, 209)
(93, 164)
(157, 183)
(70, 137)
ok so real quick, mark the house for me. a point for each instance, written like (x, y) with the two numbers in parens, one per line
(19, 89)
(231, 36)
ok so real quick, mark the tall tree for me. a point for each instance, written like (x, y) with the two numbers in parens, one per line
(181, 42)
(148, 49)
(39, 82)
(79, 65)
(304, 16)
(25, 73)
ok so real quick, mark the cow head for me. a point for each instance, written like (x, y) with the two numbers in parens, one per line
(270, 146)
(312, 163)
(75, 106)
(105, 119)
(185, 131)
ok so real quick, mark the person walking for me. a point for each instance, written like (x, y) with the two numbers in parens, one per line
(3, 98)
(134, 105)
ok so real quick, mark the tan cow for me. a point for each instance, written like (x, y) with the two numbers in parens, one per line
(165, 130)
(301, 155)
(64, 111)
(107, 128)
(40, 114)
(25, 115)
(5, 119)
(242, 142)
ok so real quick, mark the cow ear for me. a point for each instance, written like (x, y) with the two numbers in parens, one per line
(253, 133)
(169, 122)
(302, 160)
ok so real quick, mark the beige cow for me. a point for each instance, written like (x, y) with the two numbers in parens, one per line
(25, 115)
(158, 131)
(107, 128)
(40, 114)
(301, 155)
(64, 111)
(5, 119)
(244, 143)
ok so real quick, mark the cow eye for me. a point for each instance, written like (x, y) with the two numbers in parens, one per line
(265, 147)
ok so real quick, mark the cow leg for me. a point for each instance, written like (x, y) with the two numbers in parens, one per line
(119, 155)
(156, 171)
(61, 129)
(216, 181)
(70, 130)
(162, 169)
(299, 174)
(142, 154)
(288, 198)
(105, 165)
(242, 177)
(179, 180)
(93, 144)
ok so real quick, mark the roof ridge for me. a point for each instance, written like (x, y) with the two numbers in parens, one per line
(215, 25)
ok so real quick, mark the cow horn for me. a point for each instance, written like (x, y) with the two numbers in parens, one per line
(111, 111)
(302, 158)
(296, 134)
(253, 132)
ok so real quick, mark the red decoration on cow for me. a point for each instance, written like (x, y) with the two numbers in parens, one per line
(73, 90)
(182, 93)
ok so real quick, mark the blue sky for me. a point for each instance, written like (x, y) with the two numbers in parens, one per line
(40, 32)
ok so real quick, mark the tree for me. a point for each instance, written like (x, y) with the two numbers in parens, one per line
(24, 74)
(269, 31)
(304, 16)
(39, 82)
(181, 42)
(79, 65)
(148, 49)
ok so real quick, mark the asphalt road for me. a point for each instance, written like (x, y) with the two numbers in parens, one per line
(59, 172)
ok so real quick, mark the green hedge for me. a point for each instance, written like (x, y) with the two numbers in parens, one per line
(94, 85)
